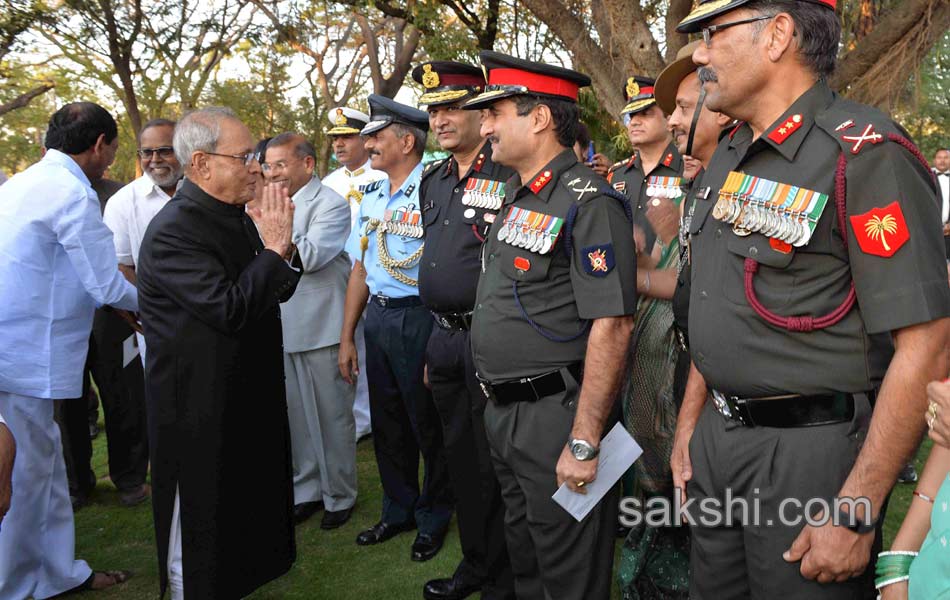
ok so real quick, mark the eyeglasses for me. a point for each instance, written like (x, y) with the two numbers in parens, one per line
(712, 29)
(279, 164)
(247, 158)
(163, 152)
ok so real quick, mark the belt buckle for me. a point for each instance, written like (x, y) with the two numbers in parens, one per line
(382, 300)
(486, 389)
(722, 404)
(445, 323)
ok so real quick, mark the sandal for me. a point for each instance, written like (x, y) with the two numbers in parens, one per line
(107, 579)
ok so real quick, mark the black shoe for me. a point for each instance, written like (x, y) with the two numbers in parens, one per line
(335, 518)
(134, 496)
(305, 510)
(453, 588)
(380, 532)
(908, 474)
(426, 546)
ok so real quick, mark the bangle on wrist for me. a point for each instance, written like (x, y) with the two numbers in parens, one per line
(924, 497)
(646, 281)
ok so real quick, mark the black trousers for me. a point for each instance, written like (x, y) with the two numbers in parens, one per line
(553, 557)
(72, 416)
(404, 419)
(480, 512)
(122, 395)
(770, 465)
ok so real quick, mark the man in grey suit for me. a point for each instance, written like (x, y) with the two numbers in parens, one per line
(319, 402)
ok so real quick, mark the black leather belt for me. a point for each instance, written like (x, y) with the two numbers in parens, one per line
(786, 411)
(458, 321)
(387, 302)
(530, 389)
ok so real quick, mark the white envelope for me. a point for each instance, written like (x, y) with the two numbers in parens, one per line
(618, 450)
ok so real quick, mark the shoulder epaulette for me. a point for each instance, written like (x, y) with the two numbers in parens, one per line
(372, 186)
(617, 165)
(433, 166)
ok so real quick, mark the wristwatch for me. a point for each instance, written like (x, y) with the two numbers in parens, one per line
(858, 526)
(582, 449)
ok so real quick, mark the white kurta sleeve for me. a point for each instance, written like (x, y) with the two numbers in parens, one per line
(88, 243)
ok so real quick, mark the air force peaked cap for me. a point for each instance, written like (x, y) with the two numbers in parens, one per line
(384, 111)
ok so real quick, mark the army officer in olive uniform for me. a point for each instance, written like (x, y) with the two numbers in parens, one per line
(553, 312)
(461, 197)
(654, 155)
(815, 243)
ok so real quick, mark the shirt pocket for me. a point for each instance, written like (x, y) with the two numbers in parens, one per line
(773, 282)
(430, 214)
(523, 265)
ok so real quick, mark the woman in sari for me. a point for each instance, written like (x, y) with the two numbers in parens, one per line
(655, 560)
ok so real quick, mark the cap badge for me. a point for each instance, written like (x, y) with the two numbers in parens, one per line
(633, 88)
(340, 117)
(430, 78)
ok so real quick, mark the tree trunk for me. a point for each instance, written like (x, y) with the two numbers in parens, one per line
(875, 71)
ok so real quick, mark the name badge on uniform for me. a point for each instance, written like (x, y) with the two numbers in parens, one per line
(404, 222)
(664, 187)
(784, 212)
(534, 231)
(483, 193)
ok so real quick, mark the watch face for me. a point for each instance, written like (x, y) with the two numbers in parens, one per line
(582, 450)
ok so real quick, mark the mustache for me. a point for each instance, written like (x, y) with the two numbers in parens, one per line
(707, 75)
(374, 152)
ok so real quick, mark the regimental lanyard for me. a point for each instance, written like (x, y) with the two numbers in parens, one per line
(403, 222)
(777, 210)
(664, 187)
(534, 231)
(484, 193)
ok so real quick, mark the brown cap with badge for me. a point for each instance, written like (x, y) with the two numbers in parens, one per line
(447, 81)
(669, 80)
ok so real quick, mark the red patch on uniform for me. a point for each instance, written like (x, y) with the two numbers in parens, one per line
(478, 163)
(785, 129)
(881, 231)
(610, 177)
(668, 160)
(633, 158)
(780, 246)
(522, 263)
(540, 181)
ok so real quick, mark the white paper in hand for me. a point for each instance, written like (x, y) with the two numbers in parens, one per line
(130, 350)
(618, 450)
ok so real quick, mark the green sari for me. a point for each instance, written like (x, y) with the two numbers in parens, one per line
(654, 562)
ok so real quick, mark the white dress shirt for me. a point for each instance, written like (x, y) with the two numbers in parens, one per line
(943, 182)
(128, 214)
(57, 264)
(352, 184)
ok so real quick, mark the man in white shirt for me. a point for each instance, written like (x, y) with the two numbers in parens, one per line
(942, 173)
(353, 179)
(58, 265)
(131, 209)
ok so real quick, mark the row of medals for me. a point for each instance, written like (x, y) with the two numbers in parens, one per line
(480, 200)
(664, 191)
(749, 215)
(402, 229)
(520, 236)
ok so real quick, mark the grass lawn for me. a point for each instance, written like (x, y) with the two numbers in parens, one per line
(329, 563)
